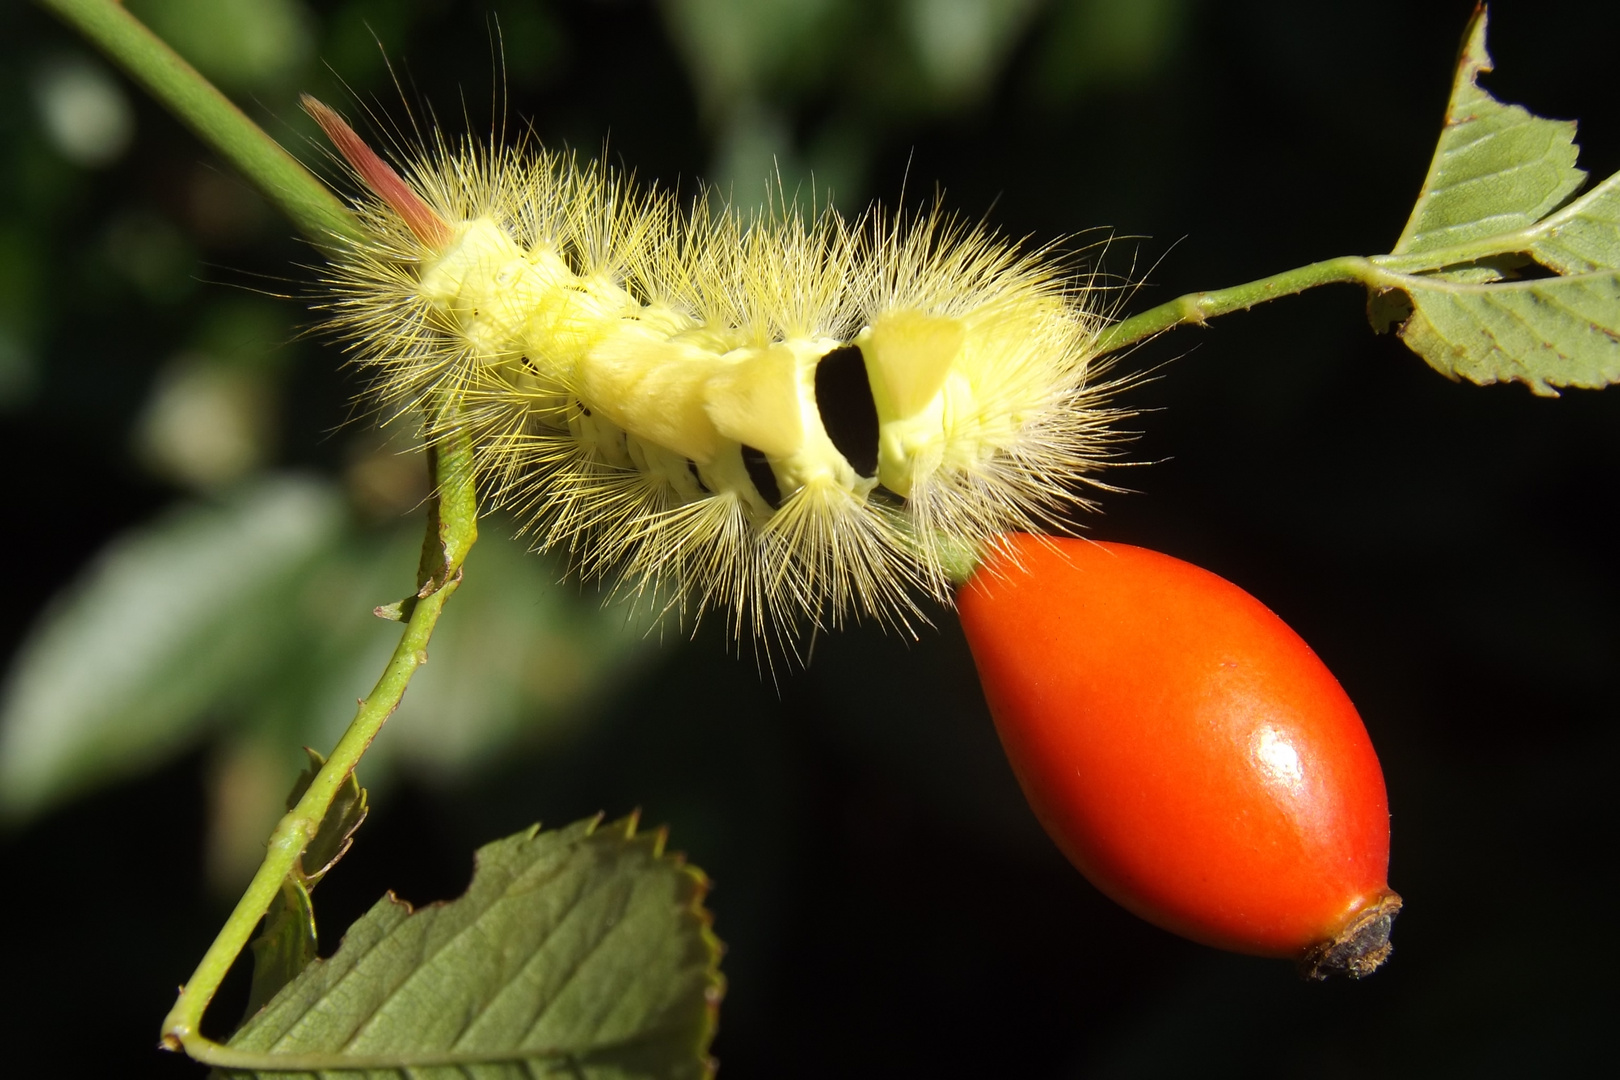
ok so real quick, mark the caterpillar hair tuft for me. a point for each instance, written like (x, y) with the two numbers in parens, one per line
(792, 420)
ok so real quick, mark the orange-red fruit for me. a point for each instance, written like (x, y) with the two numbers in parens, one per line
(1186, 750)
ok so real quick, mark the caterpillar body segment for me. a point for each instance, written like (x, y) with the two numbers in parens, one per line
(791, 420)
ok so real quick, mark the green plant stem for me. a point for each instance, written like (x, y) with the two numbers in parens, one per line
(452, 529)
(1199, 307)
(219, 123)
(453, 513)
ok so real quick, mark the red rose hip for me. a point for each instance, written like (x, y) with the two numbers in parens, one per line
(1186, 750)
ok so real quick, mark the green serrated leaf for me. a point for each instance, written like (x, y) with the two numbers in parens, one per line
(1545, 333)
(1498, 168)
(1494, 200)
(345, 815)
(285, 944)
(1585, 235)
(584, 952)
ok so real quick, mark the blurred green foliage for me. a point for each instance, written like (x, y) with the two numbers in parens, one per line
(262, 652)
(865, 69)
(890, 906)
(240, 45)
(249, 620)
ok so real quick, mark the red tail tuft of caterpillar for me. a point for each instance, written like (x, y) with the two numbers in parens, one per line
(378, 175)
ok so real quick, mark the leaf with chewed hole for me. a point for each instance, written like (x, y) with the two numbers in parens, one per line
(1497, 196)
(1545, 333)
(584, 951)
(1498, 168)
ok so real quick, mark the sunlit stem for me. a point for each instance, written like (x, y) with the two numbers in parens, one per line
(1199, 307)
(452, 529)
(452, 520)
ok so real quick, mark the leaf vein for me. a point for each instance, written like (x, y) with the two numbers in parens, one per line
(546, 1006)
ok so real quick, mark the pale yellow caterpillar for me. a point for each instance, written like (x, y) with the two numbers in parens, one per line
(789, 420)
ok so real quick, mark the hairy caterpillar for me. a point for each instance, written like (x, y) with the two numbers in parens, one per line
(790, 420)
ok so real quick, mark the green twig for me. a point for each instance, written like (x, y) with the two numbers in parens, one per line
(452, 521)
(1199, 307)
(452, 529)
(209, 113)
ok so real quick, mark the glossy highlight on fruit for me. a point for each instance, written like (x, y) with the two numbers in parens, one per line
(1186, 750)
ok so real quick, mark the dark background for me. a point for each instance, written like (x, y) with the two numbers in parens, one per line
(889, 906)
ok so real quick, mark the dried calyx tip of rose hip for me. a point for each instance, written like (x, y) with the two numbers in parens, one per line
(1359, 949)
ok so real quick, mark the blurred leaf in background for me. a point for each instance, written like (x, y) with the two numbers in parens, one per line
(211, 416)
(249, 618)
(82, 117)
(1097, 45)
(960, 45)
(83, 109)
(795, 91)
(241, 45)
(170, 620)
(241, 618)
